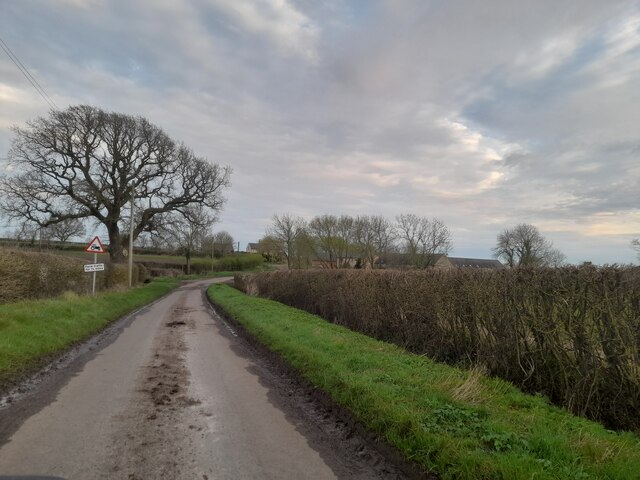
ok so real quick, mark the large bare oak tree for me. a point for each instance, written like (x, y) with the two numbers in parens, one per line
(83, 162)
(524, 246)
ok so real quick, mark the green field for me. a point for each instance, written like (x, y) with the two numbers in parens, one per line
(141, 257)
(33, 331)
(236, 262)
(456, 423)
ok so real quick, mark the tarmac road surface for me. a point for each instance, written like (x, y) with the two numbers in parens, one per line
(171, 397)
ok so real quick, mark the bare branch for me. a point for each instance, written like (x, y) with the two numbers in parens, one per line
(524, 246)
(83, 162)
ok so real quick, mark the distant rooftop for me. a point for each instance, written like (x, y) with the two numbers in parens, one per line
(474, 262)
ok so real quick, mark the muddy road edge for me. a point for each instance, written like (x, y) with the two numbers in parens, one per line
(318, 407)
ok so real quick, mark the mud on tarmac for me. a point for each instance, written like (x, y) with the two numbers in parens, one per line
(154, 431)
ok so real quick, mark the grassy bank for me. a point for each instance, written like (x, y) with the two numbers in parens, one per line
(30, 275)
(459, 424)
(32, 331)
(570, 334)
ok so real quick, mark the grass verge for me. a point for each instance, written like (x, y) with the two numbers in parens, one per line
(456, 423)
(32, 331)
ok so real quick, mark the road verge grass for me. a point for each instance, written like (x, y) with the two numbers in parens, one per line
(33, 331)
(455, 423)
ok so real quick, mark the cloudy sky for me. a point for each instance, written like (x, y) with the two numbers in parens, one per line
(484, 114)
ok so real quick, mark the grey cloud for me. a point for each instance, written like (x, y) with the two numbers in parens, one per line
(483, 113)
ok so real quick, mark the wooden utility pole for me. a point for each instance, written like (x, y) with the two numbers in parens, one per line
(131, 240)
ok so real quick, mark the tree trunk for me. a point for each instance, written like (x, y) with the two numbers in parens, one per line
(115, 244)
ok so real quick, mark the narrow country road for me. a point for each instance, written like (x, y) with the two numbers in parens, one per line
(173, 396)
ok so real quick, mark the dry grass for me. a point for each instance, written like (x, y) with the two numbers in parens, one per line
(471, 389)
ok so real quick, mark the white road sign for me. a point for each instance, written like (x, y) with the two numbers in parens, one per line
(94, 267)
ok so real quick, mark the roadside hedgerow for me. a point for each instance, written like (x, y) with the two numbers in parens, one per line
(571, 334)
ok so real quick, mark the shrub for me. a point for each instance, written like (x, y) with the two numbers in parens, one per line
(39, 275)
(239, 262)
(143, 273)
(165, 272)
(15, 276)
(572, 334)
(117, 275)
(27, 274)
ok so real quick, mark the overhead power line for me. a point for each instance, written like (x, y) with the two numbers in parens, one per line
(16, 61)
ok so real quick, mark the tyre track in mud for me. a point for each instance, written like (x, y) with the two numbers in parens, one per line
(153, 432)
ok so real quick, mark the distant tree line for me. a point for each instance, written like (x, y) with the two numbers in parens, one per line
(60, 232)
(363, 241)
(373, 241)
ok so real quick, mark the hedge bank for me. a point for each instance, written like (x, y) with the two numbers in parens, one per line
(28, 274)
(456, 423)
(571, 334)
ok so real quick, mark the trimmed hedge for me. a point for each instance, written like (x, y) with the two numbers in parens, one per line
(458, 424)
(572, 334)
(25, 274)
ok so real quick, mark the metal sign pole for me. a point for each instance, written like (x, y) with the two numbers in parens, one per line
(95, 260)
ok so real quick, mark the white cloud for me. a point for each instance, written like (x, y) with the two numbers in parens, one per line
(624, 36)
(613, 224)
(11, 94)
(277, 20)
(491, 181)
(85, 4)
(544, 59)
(620, 61)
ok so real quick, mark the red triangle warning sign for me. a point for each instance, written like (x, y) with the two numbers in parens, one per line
(95, 246)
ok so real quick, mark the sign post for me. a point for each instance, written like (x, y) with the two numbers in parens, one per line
(94, 247)
(93, 286)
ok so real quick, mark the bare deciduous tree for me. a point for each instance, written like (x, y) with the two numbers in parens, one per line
(423, 238)
(26, 232)
(524, 246)
(83, 162)
(635, 244)
(65, 229)
(286, 230)
(219, 244)
(270, 249)
(303, 250)
(186, 228)
(332, 238)
(374, 236)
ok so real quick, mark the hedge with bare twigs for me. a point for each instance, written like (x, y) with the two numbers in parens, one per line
(572, 334)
